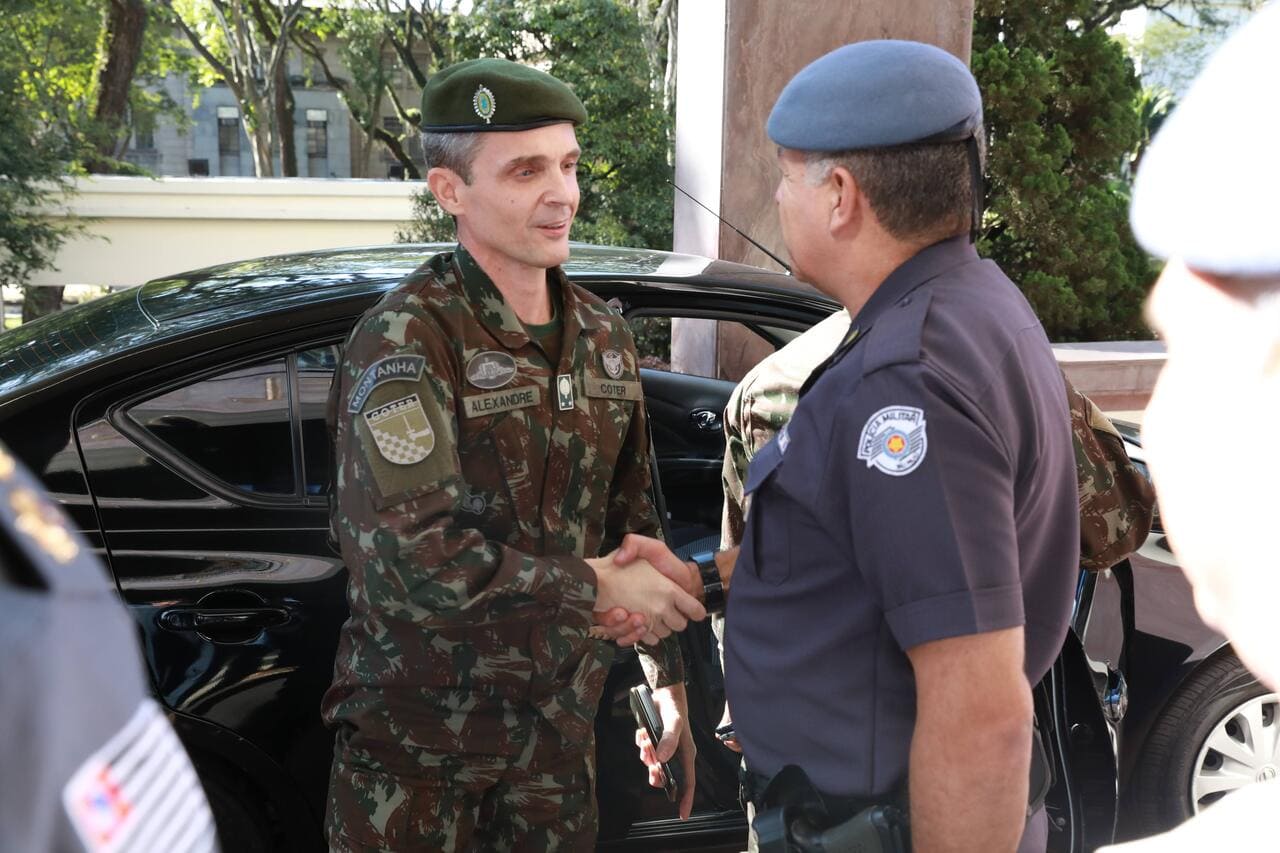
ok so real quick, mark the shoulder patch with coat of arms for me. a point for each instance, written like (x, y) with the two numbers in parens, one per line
(401, 431)
(894, 440)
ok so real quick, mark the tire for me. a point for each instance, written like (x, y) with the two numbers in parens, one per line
(242, 826)
(1180, 772)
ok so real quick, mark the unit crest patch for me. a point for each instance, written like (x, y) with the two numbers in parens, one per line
(894, 440)
(491, 369)
(612, 360)
(401, 431)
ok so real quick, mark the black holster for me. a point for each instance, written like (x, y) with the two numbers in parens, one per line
(792, 816)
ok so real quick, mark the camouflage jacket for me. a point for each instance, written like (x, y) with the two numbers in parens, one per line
(761, 405)
(474, 475)
(1116, 499)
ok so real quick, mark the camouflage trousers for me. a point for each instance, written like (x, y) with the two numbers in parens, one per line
(456, 804)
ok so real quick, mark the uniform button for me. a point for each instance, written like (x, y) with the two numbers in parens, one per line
(904, 302)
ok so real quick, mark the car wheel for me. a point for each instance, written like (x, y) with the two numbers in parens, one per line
(242, 826)
(1220, 732)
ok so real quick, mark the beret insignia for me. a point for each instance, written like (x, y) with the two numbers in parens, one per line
(484, 103)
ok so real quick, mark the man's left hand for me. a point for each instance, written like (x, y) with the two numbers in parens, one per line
(676, 741)
(625, 629)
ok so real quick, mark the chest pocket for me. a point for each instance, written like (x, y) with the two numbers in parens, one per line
(768, 539)
(612, 404)
(501, 455)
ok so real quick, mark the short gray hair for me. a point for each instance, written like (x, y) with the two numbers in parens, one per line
(920, 193)
(453, 151)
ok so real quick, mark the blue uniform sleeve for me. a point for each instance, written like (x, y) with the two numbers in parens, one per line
(927, 487)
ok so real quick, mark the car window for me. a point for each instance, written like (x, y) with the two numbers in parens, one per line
(736, 349)
(235, 425)
(315, 375)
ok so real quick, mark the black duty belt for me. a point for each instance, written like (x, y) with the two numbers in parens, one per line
(793, 815)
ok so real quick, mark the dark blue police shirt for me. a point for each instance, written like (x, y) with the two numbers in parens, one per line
(925, 488)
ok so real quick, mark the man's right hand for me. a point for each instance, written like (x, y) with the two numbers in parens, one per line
(639, 588)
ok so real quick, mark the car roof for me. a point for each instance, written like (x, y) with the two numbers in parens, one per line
(53, 346)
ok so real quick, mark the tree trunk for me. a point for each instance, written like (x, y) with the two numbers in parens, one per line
(411, 172)
(260, 138)
(123, 25)
(39, 299)
(284, 107)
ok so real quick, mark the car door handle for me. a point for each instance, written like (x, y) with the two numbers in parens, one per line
(214, 618)
(705, 420)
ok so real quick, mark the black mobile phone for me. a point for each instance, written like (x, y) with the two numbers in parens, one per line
(647, 717)
(726, 732)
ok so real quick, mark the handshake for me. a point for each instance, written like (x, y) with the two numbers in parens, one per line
(644, 592)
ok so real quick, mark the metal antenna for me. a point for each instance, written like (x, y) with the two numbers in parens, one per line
(776, 259)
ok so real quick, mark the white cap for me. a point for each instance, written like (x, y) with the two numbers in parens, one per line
(1208, 188)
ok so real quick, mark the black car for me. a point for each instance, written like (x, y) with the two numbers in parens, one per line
(181, 424)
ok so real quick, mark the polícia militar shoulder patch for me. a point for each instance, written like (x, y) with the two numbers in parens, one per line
(894, 440)
(406, 367)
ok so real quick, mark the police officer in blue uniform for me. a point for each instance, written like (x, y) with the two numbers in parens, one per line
(88, 761)
(907, 569)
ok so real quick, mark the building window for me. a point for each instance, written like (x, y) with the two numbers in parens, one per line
(144, 132)
(228, 141)
(198, 168)
(318, 143)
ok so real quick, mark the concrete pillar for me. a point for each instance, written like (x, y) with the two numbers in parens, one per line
(734, 58)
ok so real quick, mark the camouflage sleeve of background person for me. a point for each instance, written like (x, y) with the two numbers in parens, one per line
(418, 561)
(631, 510)
(761, 405)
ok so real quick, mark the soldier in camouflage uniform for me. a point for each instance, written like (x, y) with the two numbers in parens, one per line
(490, 437)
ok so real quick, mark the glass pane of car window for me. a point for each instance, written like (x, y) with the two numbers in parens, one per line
(234, 425)
(737, 348)
(315, 374)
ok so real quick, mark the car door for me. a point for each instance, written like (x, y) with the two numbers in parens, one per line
(210, 483)
(685, 413)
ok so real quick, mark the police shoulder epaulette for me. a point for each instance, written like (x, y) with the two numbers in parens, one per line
(898, 331)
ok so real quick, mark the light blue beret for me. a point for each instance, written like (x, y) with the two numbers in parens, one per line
(877, 94)
(1208, 188)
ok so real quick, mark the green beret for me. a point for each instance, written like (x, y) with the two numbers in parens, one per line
(496, 94)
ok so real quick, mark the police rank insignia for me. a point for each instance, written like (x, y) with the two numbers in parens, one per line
(401, 431)
(894, 440)
(612, 361)
(491, 369)
(484, 104)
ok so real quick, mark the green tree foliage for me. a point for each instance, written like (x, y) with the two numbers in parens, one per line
(598, 48)
(51, 60)
(1060, 102)
(32, 163)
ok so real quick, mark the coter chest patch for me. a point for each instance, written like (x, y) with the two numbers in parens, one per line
(401, 431)
(894, 440)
